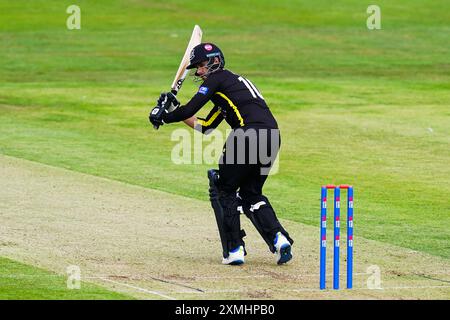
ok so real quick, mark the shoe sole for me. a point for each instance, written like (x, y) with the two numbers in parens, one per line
(236, 263)
(285, 254)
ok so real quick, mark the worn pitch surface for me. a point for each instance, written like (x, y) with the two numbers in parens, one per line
(155, 245)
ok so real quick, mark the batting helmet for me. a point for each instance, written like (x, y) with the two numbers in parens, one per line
(206, 52)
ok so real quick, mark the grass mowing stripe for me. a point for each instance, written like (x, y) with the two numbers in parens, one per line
(363, 107)
(19, 281)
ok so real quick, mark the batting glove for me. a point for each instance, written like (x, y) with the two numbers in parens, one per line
(170, 100)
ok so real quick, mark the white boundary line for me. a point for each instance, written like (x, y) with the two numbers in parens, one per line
(193, 278)
(206, 291)
(374, 290)
(406, 287)
(138, 288)
(300, 276)
(318, 290)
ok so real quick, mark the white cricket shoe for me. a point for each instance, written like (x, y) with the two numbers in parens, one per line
(283, 248)
(235, 257)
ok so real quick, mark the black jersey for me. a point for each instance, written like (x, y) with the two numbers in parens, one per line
(235, 99)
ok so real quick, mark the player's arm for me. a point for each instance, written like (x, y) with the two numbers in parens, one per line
(191, 122)
(209, 123)
(203, 95)
(205, 125)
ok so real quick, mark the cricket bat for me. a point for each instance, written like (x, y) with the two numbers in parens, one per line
(196, 38)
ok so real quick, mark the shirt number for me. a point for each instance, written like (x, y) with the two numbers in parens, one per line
(251, 87)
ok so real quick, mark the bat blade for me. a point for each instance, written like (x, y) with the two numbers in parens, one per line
(196, 38)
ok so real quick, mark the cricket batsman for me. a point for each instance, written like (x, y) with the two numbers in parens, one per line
(248, 154)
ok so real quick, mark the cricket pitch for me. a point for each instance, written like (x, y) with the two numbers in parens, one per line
(155, 245)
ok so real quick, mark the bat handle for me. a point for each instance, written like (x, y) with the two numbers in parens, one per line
(174, 93)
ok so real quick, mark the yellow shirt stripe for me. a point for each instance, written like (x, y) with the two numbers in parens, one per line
(204, 123)
(241, 121)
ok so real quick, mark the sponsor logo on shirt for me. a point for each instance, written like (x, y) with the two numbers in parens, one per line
(203, 90)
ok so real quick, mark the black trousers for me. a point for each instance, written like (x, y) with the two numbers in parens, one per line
(248, 156)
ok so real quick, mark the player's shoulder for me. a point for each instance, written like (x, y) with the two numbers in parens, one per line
(221, 75)
(217, 80)
(229, 73)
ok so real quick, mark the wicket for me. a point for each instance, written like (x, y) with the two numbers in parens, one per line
(337, 230)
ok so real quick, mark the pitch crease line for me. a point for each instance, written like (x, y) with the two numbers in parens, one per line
(139, 289)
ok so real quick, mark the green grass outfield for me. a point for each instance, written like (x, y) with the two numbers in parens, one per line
(368, 108)
(20, 282)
